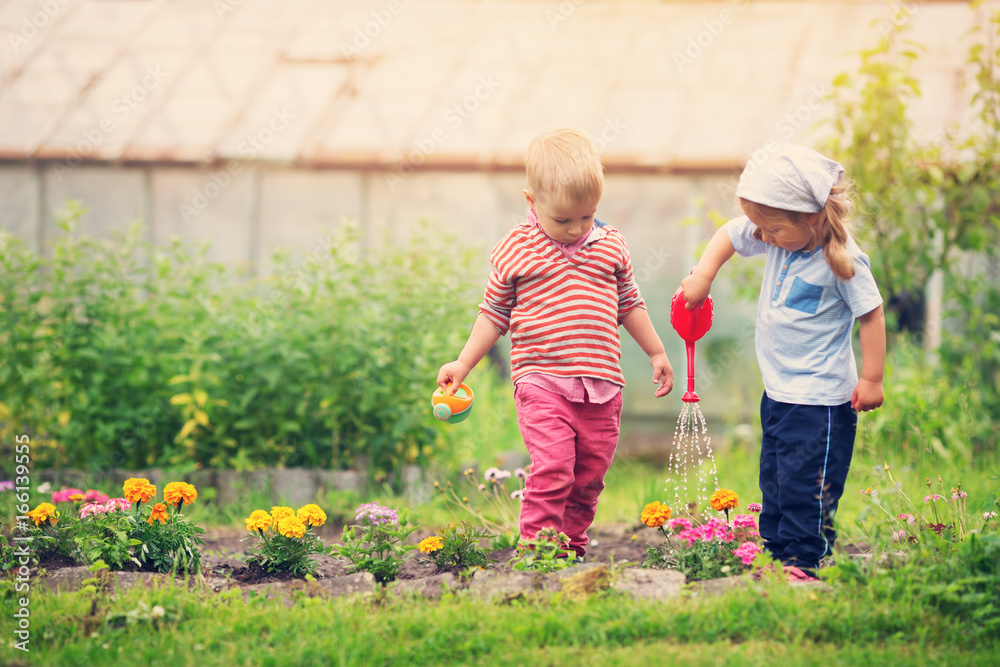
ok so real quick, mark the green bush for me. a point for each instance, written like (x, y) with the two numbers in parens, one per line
(125, 355)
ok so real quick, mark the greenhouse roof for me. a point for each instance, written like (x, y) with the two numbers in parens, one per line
(663, 86)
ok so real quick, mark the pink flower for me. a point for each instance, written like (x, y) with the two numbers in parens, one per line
(691, 535)
(92, 508)
(989, 515)
(677, 525)
(756, 508)
(908, 518)
(716, 529)
(744, 521)
(520, 473)
(899, 535)
(746, 552)
(932, 498)
(958, 494)
(63, 496)
(117, 505)
(516, 495)
(94, 495)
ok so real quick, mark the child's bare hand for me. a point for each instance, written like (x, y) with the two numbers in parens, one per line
(696, 289)
(662, 373)
(867, 396)
(452, 373)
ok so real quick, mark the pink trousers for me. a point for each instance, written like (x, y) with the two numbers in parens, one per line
(571, 446)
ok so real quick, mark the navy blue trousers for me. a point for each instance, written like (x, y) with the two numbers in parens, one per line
(804, 458)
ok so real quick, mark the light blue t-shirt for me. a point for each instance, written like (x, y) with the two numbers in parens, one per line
(805, 319)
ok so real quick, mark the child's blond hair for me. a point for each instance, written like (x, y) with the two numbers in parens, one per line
(564, 165)
(832, 229)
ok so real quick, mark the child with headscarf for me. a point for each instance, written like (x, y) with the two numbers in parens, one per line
(817, 282)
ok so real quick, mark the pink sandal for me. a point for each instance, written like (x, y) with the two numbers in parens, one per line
(794, 574)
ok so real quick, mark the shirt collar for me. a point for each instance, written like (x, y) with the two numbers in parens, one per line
(597, 232)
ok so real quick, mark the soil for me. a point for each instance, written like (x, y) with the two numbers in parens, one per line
(224, 552)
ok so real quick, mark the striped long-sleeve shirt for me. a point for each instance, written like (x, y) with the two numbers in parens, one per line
(562, 312)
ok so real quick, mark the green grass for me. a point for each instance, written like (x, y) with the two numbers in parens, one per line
(863, 622)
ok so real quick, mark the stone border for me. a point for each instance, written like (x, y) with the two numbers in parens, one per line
(491, 585)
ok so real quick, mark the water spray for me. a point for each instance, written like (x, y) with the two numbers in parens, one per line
(692, 448)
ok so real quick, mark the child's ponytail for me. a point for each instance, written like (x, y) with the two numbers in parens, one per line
(833, 230)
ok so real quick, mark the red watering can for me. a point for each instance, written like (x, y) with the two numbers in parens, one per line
(690, 325)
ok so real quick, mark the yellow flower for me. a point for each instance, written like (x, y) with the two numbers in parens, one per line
(433, 543)
(176, 493)
(258, 520)
(724, 499)
(138, 490)
(311, 515)
(44, 513)
(77, 497)
(655, 514)
(279, 514)
(292, 526)
(158, 513)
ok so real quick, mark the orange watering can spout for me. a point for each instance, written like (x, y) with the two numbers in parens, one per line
(690, 325)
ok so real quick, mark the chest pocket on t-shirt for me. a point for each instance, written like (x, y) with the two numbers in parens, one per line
(804, 296)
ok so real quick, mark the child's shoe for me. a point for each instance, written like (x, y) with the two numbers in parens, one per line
(794, 575)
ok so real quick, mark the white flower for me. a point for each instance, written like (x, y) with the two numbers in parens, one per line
(516, 495)
(520, 473)
(158, 612)
(44, 488)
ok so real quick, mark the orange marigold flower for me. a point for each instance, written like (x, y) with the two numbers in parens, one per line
(429, 544)
(176, 493)
(138, 490)
(655, 514)
(77, 497)
(158, 513)
(724, 499)
(292, 526)
(44, 513)
(311, 515)
(258, 520)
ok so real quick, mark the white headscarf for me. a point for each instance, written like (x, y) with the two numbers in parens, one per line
(793, 178)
